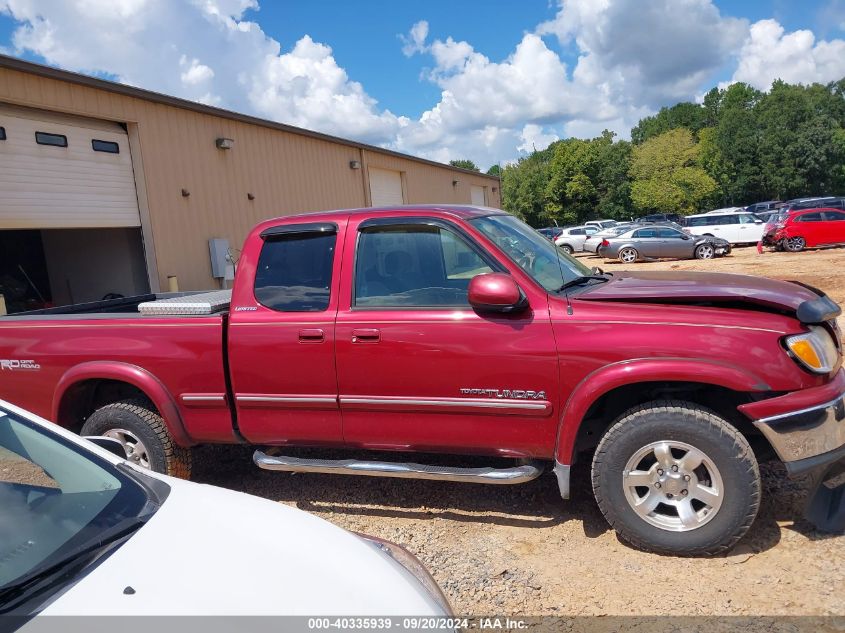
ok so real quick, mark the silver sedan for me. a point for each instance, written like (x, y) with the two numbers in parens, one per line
(658, 242)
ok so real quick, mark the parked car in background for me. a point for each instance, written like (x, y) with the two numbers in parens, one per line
(571, 240)
(760, 207)
(601, 224)
(661, 217)
(84, 532)
(827, 202)
(765, 216)
(724, 210)
(738, 227)
(550, 232)
(591, 244)
(813, 227)
(660, 242)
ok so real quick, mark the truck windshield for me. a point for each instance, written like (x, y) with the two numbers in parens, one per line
(54, 497)
(546, 263)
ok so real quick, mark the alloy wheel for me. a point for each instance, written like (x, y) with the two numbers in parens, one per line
(134, 448)
(673, 486)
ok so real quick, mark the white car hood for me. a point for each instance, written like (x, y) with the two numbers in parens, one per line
(211, 551)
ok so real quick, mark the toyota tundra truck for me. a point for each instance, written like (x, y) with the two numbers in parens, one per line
(457, 343)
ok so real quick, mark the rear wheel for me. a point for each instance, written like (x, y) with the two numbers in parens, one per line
(674, 478)
(566, 248)
(794, 244)
(705, 251)
(143, 434)
(628, 255)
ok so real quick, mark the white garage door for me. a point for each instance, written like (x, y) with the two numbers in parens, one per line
(62, 172)
(477, 196)
(385, 187)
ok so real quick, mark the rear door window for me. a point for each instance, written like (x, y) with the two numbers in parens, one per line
(295, 271)
(809, 217)
(646, 233)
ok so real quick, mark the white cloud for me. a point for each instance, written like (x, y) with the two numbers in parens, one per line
(628, 58)
(771, 53)
(414, 42)
(205, 50)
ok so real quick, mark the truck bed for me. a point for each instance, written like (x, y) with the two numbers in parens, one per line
(54, 351)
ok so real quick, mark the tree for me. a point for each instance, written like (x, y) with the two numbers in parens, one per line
(691, 116)
(464, 163)
(495, 170)
(666, 174)
(523, 188)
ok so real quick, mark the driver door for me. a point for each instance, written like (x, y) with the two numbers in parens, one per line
(418, 368)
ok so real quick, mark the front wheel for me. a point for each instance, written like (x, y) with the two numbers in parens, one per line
(705, 251)
(794, 244)
(143, 434)
(628, 255)
(674, 478)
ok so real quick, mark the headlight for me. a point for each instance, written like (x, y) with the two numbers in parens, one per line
(814, 349)
(413, 566)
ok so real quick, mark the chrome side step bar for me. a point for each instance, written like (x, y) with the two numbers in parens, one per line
(515, 475)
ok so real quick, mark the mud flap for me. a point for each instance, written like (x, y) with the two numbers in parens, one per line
(826, 504)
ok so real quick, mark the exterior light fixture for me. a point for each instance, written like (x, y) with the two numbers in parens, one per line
(455, 183)
(224, 143)
(494, 189)
(185, 193)
(250, 196)
(354, 164)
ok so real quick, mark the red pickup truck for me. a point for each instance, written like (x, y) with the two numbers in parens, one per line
(461, 331)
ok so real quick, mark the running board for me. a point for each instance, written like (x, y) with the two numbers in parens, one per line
(500, 476)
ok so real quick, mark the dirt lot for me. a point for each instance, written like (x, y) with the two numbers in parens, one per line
(521, 550)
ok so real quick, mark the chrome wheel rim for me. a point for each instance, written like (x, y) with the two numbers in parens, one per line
(673, 486)
(705, 251)
(795, 243)
(628, 255)
(136, 451)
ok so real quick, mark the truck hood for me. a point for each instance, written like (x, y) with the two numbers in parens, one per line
(729, 290)
(210, 551)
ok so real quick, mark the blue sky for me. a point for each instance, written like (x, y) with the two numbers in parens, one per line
(488, 81)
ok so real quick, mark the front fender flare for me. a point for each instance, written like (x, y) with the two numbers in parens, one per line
(133, 375)
(643, 370)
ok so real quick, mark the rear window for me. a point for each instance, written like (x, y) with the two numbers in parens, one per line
(646, 233)
(809, 217)
(295, 272)
(834, 216)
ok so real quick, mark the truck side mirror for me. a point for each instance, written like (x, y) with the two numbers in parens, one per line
(495, 292)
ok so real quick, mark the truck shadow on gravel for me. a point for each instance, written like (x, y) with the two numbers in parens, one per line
(536, 504)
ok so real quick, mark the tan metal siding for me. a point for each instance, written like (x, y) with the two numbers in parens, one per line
(286, 172)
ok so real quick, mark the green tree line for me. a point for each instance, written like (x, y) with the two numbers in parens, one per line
(740, 145)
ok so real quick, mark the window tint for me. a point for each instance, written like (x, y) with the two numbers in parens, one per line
(2, 134)
(414, 266)
(810, 217)
(699, 221)
(577, 232)
(834, 216)
(46, 138)
(109, 147)
(646, 233)
(295, 272)
(747, 218)
(670, 233)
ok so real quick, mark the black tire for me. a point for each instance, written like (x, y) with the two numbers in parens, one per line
(705, 251)
(566, 248)
(794, 244)
(142, 421)
(671, 422)
(626, 254)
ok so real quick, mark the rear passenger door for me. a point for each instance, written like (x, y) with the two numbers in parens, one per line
(835, 224)
(647, 242)
(281, 337)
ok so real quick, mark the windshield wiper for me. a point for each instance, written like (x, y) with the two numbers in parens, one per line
(79, 554)
(580, 281)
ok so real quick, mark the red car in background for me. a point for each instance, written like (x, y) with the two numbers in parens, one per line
(813, 227)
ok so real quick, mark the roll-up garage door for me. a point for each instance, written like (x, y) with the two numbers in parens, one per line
(477, 196)
(385, 187)
(59, 171)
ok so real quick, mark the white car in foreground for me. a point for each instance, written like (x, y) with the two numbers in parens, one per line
(83, 532)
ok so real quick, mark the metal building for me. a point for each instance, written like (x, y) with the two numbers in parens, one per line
(109, 189)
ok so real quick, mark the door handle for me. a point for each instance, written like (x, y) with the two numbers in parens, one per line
(315, 335)
(366, 336)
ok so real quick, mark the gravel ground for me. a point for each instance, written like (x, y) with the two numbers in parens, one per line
(521, 550)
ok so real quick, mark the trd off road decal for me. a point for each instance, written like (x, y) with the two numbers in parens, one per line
(13, 364)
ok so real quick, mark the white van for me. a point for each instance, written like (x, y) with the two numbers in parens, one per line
(738, 227)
